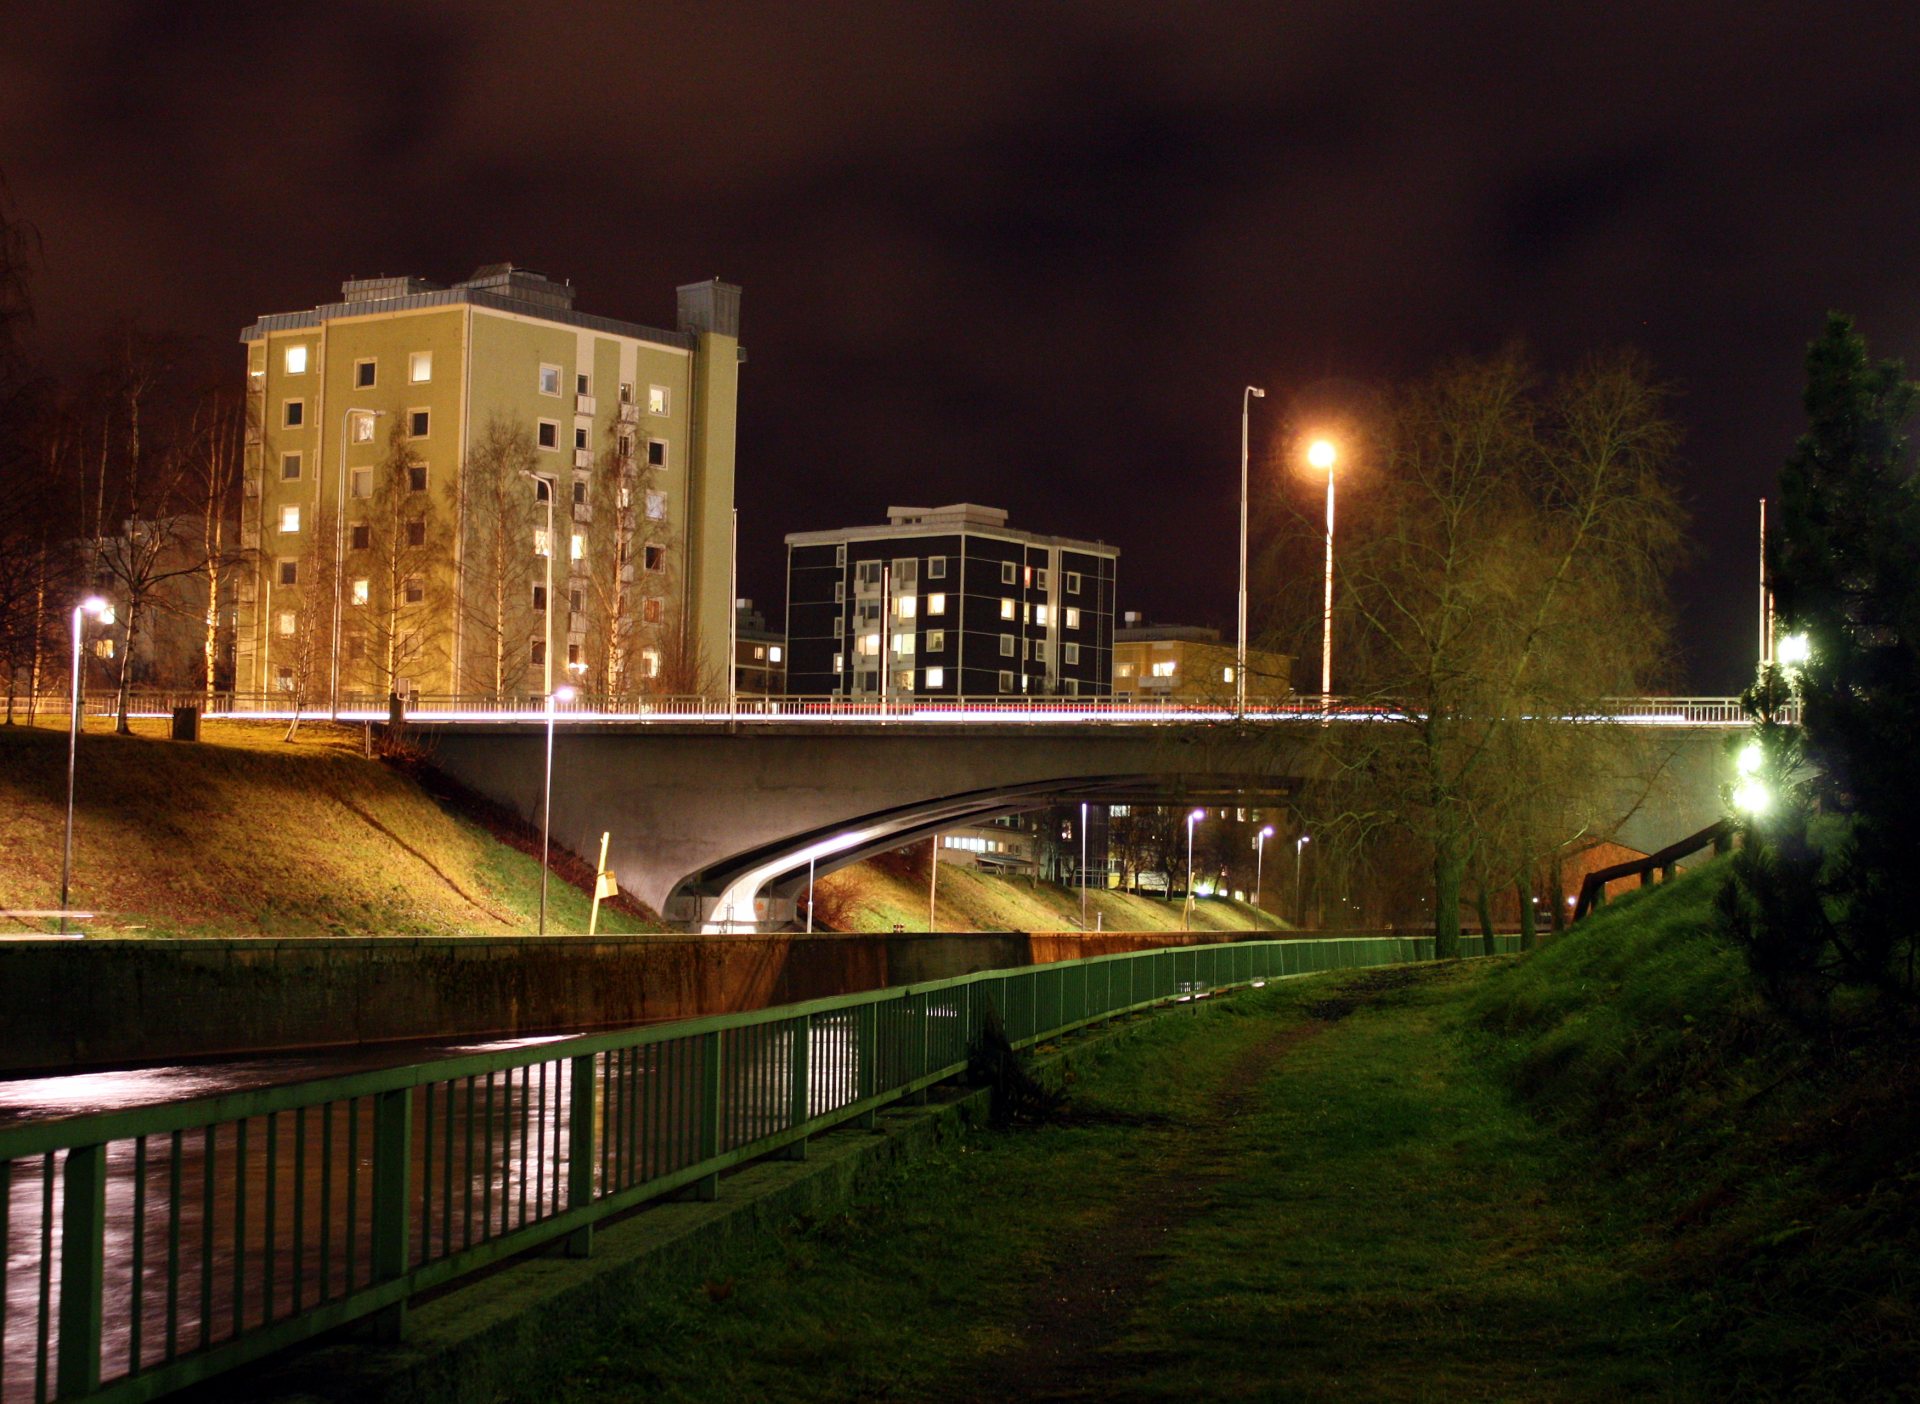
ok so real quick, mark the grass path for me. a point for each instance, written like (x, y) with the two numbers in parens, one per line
(1314, 1191)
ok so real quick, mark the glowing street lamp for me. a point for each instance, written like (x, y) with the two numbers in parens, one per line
(1752, 797)
(1793, 651)
(565, 694)
(1247, 397)
(1186, 910)
(1259, 856)
(1322, 455)
(101, 610)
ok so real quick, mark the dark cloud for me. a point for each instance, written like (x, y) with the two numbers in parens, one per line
(1026, 254)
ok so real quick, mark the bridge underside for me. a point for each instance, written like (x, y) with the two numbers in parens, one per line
(716, 829)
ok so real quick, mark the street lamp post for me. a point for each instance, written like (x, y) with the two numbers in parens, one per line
(1259, 858)
(1322, 454)
(1247, 396)
(1299, 897)
(1083, 865)
(565, 694)
(101, 610)
(340, 546)
(1186, 909)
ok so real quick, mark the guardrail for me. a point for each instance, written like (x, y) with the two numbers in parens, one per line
(586, 708)
(153, 1247)
(1593, 890)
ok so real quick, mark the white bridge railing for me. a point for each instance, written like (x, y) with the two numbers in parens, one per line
(757, 709)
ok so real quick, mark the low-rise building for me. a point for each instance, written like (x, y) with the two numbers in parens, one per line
(1186, 663)
(759, 653)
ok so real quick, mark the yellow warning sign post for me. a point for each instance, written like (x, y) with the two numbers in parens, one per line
(603, 886)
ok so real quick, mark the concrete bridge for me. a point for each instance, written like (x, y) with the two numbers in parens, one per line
(716, 817)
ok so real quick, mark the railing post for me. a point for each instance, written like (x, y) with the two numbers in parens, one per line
(799, 1082)
(83, 1222)
(866, 1026)
(580, 1117)
(708, 1186)
(392, 1169)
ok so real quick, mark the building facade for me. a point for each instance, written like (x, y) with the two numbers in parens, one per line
(1184, 663)
(948, 602)
(759, 653)
(393, 499)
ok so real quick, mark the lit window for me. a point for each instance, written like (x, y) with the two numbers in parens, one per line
(1040, 615)
(1073, 582)
(361, 590)
(1006, 609)
(296, 360)
(656, 399)
(364, 373)
(1006, 645)
(936, 641)
(1006, 572)
(1026, 576)
(296, 413)
(1164, 668)
(1070, 617)
(549, 435)
(540, 541)
(418, 423)
(420, 367)
(289, 621)
(759, 652)
(839, 662)
(1125, 670)
(775, 654)
(549, 380)
(289, 572)
(1226, 673)
(289, 519)
(579, 547)
(936, 677)
(936, 604)
(285, 678)
(649, 662)
(869, 645)
(360, 428)
(289, 466)
(905, 606)
(656, 506)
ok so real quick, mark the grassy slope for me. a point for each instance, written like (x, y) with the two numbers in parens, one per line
(244, 835)
(874, 895)
(1601, 1172)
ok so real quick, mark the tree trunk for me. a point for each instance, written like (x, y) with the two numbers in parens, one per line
(1485, 905)
(1557, 884)
(126, 670)
(1528, 934)
(1449, 868)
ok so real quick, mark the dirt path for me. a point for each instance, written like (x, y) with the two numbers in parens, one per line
(1071, 1318)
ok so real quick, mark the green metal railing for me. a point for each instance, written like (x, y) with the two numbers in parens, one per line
(149, 1248)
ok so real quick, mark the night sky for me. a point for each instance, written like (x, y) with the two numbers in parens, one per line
(1027, 255)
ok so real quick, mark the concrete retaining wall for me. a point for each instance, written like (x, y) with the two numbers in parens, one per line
(110, 1002)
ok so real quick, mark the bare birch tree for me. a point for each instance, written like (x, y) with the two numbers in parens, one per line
(502, 515)
(396, 591)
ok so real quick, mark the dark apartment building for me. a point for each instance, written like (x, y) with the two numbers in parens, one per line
(948, 602)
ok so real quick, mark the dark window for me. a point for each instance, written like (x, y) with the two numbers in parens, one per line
(417, 423)
(537, 652)
(417, 477)
(574, 601)
(580, 383)
(416, 590)
(363, 374)
(362, 536)
(656, 453)
(573, 649)
(579, 437)
(417, 533)
(580, 490)
(540, 597)
(656, 558)
(289, 572)
(549, 434)
(290, 466)
(296, 413)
